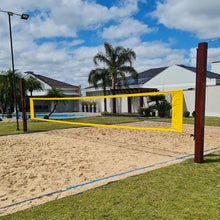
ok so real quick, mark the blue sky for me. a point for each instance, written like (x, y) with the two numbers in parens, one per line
(62, 36)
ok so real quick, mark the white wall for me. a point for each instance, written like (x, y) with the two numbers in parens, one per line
(212, 107)
(189, 100)
(215, 67)
(213, 101)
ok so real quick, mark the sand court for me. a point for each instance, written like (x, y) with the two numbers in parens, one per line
(32, 165)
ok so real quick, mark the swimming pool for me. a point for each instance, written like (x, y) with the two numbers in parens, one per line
(52, 116)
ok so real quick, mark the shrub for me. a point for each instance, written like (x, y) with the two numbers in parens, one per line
(8, 116)
(141, 110)
(0, 119)
(46, 117)
(84, 103)
(94, 103)
(147, 111)
(186, 114)
(194, 114)
(162, 108)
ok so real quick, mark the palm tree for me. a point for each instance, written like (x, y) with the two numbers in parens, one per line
(54, 93)
(103, 76)
(32, 84)
(8, 87)
(116, 59)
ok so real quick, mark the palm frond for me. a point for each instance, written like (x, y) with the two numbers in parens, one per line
(126, 56)
(101, 58)
(109, 50)
(94, 77)
(100, 75)
(130, 71)
(122, 80)
(118, 50)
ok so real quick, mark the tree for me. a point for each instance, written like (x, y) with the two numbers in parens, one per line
(32, 84)
(103, 76)
(115, 59)
(7, 85)
(54, 93)
(161, 104)
(156, 98)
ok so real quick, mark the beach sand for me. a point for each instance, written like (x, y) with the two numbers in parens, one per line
(35, 164)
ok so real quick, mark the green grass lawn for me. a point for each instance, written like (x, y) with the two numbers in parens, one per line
(35, 126)
(209, 121)
(180, 191)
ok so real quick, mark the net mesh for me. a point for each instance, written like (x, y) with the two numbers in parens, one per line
(146, 104)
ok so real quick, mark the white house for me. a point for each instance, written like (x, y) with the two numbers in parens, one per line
(176, 77)
(48, 83)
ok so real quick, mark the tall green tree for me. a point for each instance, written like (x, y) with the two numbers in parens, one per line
(118, 61)
(54, 93)
(102, 76)
(32, 84)
(7, 85)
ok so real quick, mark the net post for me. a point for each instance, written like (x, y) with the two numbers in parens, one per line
(31, 108)
(200, 101)
(23, 104)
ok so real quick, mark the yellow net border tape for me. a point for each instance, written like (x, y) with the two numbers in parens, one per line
(177, 110)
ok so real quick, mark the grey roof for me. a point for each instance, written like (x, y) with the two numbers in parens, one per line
(52, 82)
(209, 74)
(145, 76)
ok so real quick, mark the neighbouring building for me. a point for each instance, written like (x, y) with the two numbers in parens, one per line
(174, 77)
(48, 83)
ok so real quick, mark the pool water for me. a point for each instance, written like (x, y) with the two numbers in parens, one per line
(52, 116)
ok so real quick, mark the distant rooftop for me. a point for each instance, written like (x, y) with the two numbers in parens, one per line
(52, 82)
(209, 74)
(147, 75)
(216, 61)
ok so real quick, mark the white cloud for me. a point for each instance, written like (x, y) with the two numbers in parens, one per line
(51, 18)
(213, 55)
(69, 61)
(127, 28)
(78, 15)
(200, 17)
(154, 54)
(49, 28)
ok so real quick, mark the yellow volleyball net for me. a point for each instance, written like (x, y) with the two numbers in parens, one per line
(176, 112)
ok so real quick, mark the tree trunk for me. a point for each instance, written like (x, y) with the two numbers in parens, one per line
(114, 99)
(105, 101)
(53, 110)
(2, 112)
(105, 105)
